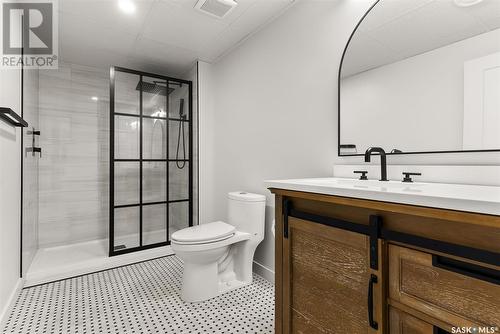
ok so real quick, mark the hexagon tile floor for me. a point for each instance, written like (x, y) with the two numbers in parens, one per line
(138, 299)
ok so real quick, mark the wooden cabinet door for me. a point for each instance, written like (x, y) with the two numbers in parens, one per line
(326, 278)
(446, 292)
(403, 323)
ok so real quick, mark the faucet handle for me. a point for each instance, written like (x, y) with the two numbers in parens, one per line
(363, 174)
(408, 176)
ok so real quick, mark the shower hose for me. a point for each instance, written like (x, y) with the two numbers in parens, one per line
(181, 163)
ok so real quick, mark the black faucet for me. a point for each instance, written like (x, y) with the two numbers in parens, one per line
(383, 160)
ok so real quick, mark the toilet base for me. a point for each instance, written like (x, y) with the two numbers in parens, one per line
(215, 268)
(199, 282)
(232, 285)
(202, 282)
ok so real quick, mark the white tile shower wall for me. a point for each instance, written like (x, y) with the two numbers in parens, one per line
(74, 167)
(74, 172)
(275, 102)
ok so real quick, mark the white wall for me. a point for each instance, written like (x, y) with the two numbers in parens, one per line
(10, 190)
(275, 105)
(206, 143)
(274, 110)
(416, 104)
(73, 187)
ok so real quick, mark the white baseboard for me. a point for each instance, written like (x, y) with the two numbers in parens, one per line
(4, 315)
(263, 271)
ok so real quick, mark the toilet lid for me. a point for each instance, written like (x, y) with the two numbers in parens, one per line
(204, 232)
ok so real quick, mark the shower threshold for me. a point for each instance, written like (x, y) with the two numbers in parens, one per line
(61, 262)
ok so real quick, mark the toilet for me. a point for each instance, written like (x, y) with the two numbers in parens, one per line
(218, 256)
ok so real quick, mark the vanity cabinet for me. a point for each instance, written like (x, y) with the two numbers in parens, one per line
(449, 289)
(327, 280)
(346, 265)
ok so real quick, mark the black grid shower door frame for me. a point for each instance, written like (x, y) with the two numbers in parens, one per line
(141, 160)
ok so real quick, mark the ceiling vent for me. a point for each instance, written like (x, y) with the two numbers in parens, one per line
(216, 8)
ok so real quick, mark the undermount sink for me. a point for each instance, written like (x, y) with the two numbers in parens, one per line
(462, 197)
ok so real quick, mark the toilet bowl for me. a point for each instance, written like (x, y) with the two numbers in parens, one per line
(218, 256)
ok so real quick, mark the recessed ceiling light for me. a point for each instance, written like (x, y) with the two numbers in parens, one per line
(127, 6)
(95, 98)
(467, 3)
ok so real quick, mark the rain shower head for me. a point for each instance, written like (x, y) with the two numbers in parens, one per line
(155, 88)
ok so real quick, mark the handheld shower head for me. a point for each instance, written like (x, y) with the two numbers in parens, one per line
(182, 115)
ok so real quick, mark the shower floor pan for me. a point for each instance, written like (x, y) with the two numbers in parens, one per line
(61, 262)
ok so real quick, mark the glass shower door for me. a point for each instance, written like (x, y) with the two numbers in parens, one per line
(144, 183)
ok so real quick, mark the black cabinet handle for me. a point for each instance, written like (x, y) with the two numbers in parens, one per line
(373, 280)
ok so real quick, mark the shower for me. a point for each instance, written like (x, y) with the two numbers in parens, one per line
(150, 164)
(129, 182)
(159, 88)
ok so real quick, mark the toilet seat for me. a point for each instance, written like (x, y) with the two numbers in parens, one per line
(201, 242)
(204, 233)
(196, 247)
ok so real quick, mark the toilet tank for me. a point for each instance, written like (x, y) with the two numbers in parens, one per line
(247, 212)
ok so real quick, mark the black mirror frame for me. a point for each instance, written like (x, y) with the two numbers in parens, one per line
(339, 96)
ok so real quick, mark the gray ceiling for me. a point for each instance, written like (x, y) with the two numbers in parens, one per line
(164, 36)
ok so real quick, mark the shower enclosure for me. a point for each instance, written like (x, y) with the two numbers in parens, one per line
(151, 155)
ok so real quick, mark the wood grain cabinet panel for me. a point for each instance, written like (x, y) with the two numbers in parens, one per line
(444, 294)
(403, 323)
(323, 271)
(327, 274)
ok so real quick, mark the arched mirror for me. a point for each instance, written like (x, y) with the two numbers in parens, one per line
(422, 76)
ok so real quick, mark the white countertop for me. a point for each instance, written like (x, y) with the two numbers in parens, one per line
(461, 197)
